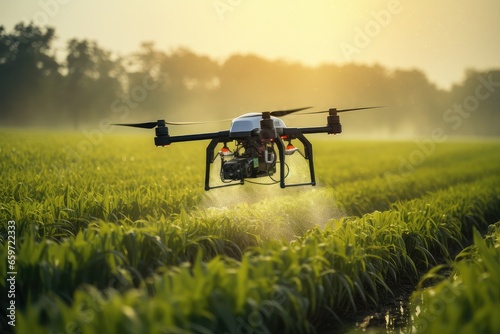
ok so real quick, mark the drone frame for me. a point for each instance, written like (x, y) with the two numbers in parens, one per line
(333, 126)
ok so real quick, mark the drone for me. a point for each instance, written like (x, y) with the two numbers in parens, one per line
(256, 137)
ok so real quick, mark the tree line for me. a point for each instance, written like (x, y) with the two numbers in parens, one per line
(90, 83)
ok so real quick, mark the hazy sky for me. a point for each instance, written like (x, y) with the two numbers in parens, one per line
(443, 38)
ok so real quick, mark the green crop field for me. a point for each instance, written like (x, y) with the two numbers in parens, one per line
(110, 234)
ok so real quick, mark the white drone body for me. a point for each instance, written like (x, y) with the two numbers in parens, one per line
(251, 121)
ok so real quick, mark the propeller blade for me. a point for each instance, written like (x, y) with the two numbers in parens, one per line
(148, 125)
(193, 123)
(287, 112)
(279, 113)
(340, 110)
(362, 108)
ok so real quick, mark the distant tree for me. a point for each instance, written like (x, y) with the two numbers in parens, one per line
(478, 97)
(183, 81)
(147, 84)
(92, 82)
(191, 82)
(418, 101)
(252, 83)
(29, 73)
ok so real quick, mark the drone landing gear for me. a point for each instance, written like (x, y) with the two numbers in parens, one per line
(308, 155)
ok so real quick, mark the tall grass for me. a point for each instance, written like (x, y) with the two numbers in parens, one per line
(127, 242)
(467, 301)
(277, 285)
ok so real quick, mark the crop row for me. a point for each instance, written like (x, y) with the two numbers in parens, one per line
(465, 302)
(391, 177)
(125, 180)
(278, 286)
(102, 234)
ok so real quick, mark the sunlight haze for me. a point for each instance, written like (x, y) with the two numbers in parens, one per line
(441, 38)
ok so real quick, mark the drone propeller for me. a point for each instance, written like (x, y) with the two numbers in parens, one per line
(279, 113)
(339, 110)
(287, 112)
(150, 125)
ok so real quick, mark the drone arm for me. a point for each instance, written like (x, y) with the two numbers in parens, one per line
(165, 140)
(332, 127)
(320, 129)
